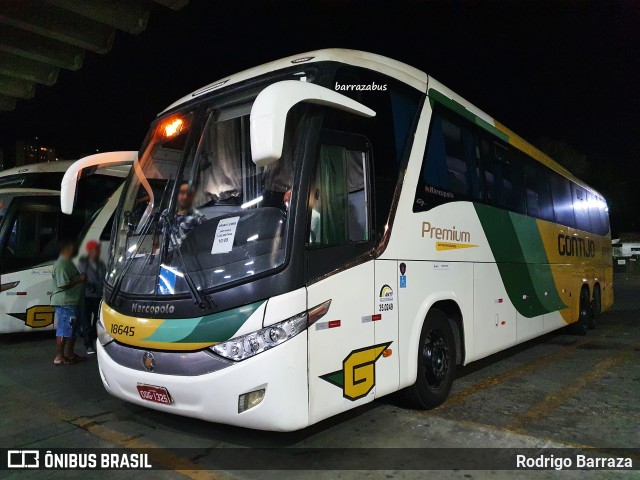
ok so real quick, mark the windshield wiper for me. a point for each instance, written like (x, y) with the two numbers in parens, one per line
(118, 283)
(195, 294)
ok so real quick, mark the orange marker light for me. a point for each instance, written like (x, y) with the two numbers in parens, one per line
(387, 353)
(173, 127)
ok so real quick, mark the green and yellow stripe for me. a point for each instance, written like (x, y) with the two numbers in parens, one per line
(177, 333)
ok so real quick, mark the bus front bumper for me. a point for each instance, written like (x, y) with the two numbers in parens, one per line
(281, 371)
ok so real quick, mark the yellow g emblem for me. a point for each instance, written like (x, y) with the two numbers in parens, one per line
(39, 316)
(358, 374)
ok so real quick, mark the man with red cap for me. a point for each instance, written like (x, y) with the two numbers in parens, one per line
(95, 271)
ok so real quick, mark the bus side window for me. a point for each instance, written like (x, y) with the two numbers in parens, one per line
(581, 208)
(604, 216)
(105, 236)
(32, 240)
(598, 215)
(594, 213)
(503, 176)
(456, 158)
(562, 201)
(34, 228)
(538, 194)
(450, 168)
(339, 197)
(93, 191)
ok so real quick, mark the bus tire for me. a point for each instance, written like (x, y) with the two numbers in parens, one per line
(436, 362)
(596, 307)
(581, 326)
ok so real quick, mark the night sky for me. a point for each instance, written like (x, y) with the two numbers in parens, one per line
(565, 70)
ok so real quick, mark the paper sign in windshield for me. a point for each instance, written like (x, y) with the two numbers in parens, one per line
(225, 233)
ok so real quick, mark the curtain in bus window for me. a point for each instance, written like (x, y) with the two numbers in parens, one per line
(227, 172)
(333, 195)
(339, 197)
(278, 175)
(220, 162)
(357, 196)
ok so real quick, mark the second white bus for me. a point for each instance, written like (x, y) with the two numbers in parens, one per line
(31, 225)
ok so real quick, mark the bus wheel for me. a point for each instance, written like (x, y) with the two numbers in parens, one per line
(582, 325)
(436, 362)
(596, 306)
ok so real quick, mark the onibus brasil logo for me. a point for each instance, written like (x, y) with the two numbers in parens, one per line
(358, 374)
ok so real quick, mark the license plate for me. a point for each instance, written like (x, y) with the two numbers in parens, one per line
(155, 394)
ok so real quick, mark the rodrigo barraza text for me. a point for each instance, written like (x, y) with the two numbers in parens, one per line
(580, 461)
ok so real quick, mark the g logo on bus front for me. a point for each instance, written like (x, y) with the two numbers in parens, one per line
(358, 375)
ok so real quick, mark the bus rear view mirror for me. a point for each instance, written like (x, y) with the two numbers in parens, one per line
(71, 176)
(270, 109)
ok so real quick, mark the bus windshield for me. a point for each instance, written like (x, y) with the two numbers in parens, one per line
(197, 212)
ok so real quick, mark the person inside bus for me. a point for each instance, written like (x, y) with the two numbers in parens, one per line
(67, 299)
(187, 217)
(314, 230)
(95, 271)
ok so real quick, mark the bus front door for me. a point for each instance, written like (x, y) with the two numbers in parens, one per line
(342, 344)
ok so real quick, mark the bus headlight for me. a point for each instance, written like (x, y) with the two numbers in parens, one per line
(246, 346)
(103, 336)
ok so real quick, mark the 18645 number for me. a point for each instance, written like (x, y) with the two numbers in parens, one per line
(122, 330)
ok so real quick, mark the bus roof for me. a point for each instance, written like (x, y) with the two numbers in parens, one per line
(28, 191)
(46, 167)
(390, 67)
(61, 166)
(393, 68)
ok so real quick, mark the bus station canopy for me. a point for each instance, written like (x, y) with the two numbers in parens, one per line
(39, 37)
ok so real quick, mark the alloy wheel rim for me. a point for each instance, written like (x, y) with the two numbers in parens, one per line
(435, 358)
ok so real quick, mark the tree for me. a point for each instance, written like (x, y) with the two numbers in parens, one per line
(566, 155)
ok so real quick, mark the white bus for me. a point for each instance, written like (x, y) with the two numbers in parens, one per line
(48, 175)
(303, 237)
(31, 225)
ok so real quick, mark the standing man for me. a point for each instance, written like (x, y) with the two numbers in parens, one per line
(68, 294)
(94, 270)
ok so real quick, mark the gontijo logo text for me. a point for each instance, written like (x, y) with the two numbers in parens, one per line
(453, 238)
(575, 246)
